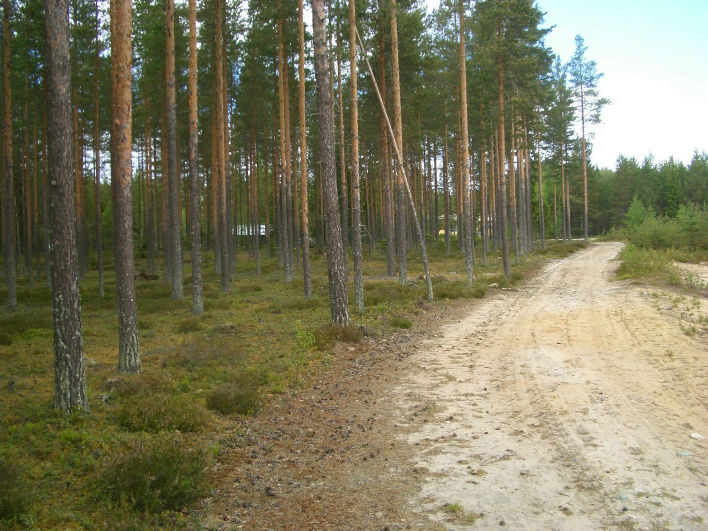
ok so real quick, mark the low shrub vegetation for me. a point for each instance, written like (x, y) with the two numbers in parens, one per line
(161, 412)
(158, 475)
(15, 493)
(241, 396)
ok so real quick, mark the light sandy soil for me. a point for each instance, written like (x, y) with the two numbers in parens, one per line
(569, 405)
(574, 403)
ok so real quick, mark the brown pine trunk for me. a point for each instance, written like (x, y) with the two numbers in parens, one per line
(541, 215)
(446, 191)
(221, 158)
(483, 199)
(386, 177)
(9, 220)
(27, 197)
(342, 155)
(266, 198)
(306, 274)
(513, 158)
(339, 305)
(400, 162)
(150, 195)
(173, 187)
(467, 214)
(502, 161)
(284, 160)
(356, 201)
(69, 375)
(121, 78)
(195, 238)
(97, 166)
(398, 131)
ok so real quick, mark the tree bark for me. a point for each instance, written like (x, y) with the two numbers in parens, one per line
(339, 305)
(69, 375)
(195, 239)
(356, 200)
(221, 157)
(398, 130)
(306, 274)
(97, 164)
(502, 161)
(342, 153)
(467, 214)
(389, 228)
(8, 193)
(175, 214)
(121, 80)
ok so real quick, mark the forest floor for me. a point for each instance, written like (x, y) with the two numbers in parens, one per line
(573, 401)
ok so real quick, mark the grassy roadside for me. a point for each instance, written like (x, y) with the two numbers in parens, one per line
(140, 458)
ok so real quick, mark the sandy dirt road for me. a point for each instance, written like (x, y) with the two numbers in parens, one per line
(574, 404)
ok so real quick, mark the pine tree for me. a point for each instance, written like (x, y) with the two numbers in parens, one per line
(9, 220)
(121, 165)
(70, 380)
(339, 305)
(194, 213)
(584, 78)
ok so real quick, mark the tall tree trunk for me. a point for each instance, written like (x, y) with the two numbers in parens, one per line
(121, 78)
(389, 228)
(284, 157)
(483, 200)
(467, 214)
(502, 161)
(150, 193)
(306, 274)
(446, 191)
(195, 239)
(342, 154)
(69, 376)
(337, 273)
(541, 215)
(221, 158)
(356, 201)
(97, 163)
(175, 214)
(9, 220)
(400, 162)
(398, 130)
(513, 208)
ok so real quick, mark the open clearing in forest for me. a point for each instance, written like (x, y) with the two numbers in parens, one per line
(576, 402)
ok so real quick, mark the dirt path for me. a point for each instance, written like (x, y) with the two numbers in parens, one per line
(567, 405)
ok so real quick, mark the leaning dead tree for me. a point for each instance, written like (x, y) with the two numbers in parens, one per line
(401, 168)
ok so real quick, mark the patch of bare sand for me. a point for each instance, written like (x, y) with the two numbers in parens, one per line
(559, 408)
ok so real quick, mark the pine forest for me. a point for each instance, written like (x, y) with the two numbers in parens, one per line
(240, 237)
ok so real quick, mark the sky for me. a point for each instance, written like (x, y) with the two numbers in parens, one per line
(654, 56)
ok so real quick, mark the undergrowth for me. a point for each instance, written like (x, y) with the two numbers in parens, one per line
(126, 466)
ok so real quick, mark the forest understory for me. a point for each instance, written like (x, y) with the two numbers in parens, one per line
(577, 401)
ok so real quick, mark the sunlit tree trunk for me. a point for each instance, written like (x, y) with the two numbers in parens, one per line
(502, 161)
(173, 187)
(339, 305)
(69, 375)
(195, 239)
(306, 275)
(221, 156)
(121, 78)
(398, 131)
(356, 204)
(466, 214)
